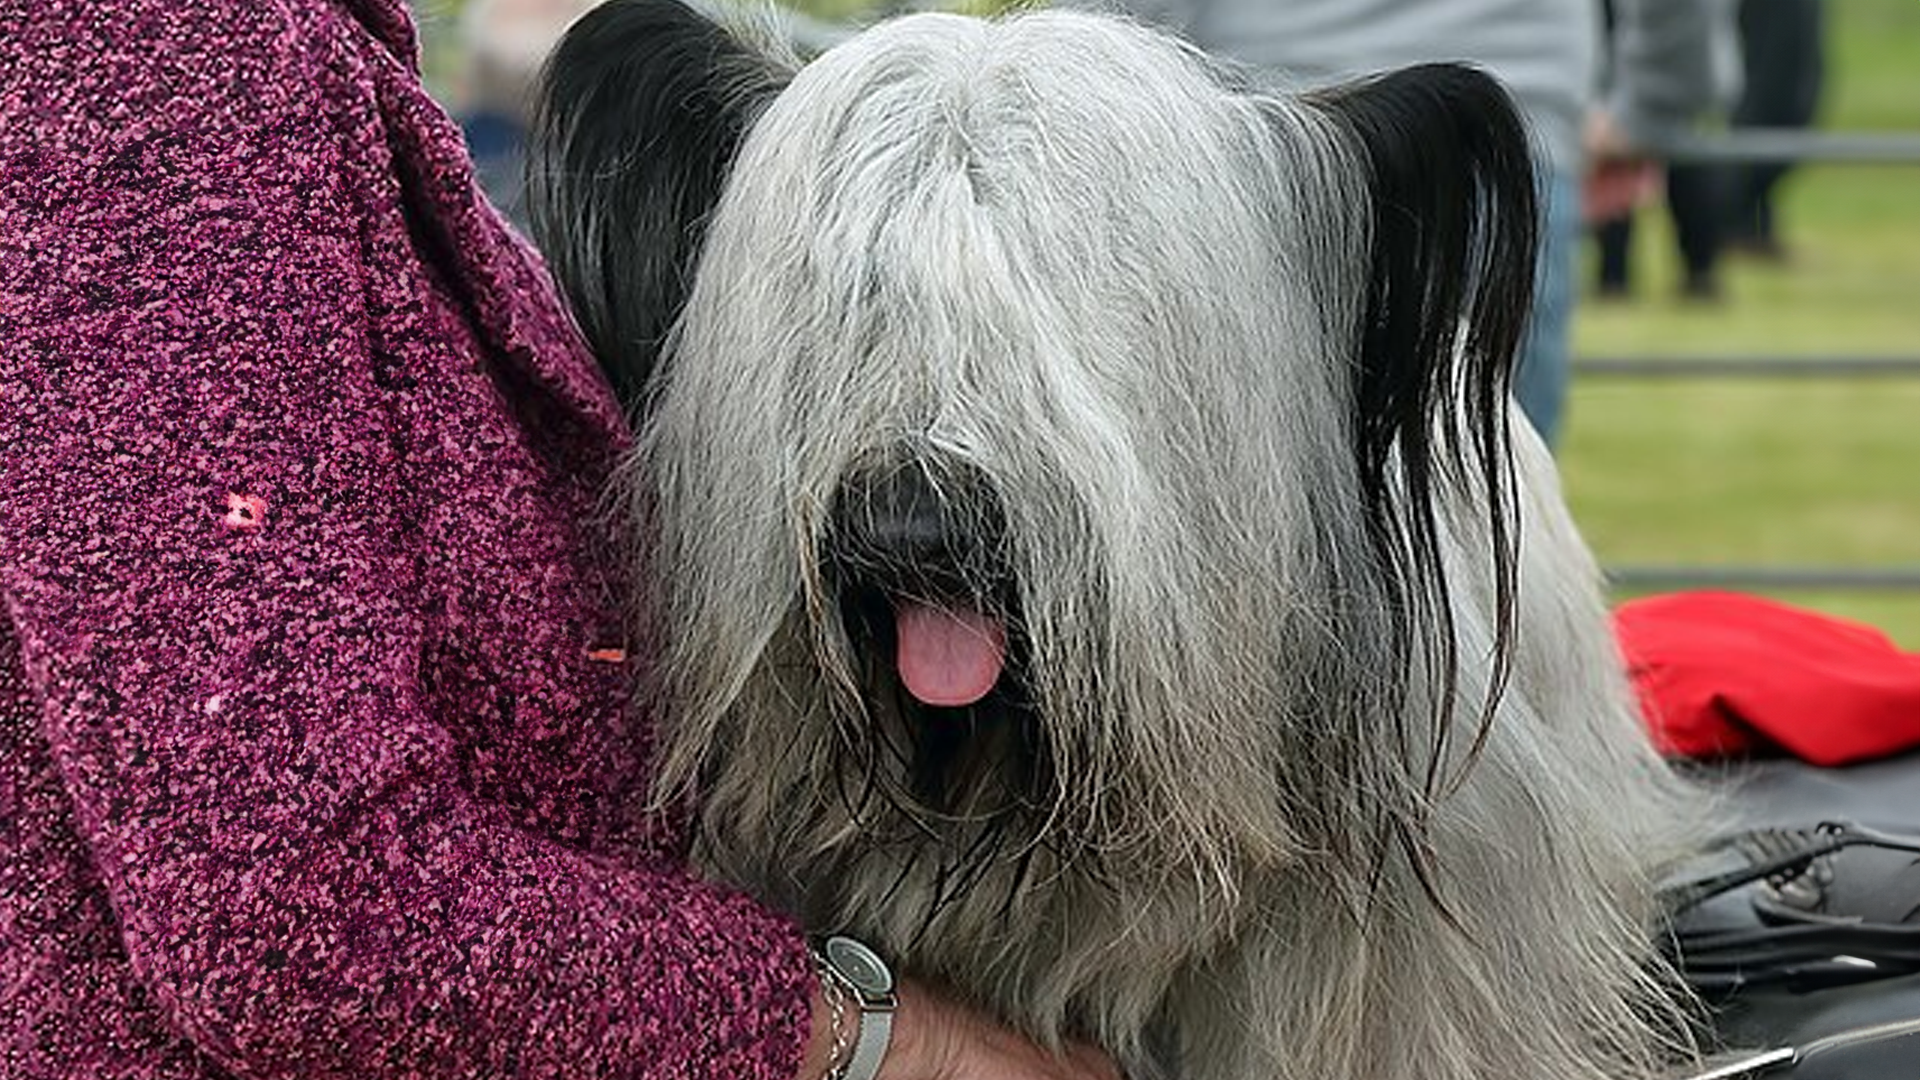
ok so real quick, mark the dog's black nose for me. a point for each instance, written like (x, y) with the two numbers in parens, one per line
(920, 529)
(917, 560)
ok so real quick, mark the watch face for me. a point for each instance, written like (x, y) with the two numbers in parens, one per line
(859, 965)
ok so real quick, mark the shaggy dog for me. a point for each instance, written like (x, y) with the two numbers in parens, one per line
(1084, 544)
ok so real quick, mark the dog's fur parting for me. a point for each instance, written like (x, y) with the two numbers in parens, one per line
(1311, 758)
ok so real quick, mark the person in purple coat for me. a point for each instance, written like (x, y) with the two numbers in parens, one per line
(315, 758)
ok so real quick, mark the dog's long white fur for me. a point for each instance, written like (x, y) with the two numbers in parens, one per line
(1068, 253)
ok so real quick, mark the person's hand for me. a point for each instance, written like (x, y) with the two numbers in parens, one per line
(1605, 141)
(1619, 176)
(1614, 189)
(935, 1039)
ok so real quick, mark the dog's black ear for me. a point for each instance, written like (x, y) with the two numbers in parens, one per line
(640, 112)
(1455, 224)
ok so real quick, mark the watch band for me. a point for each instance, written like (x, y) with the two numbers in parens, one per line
(869, 984)
(870, 1048)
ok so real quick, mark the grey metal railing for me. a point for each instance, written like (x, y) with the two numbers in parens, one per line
(1792, 144)
(1876, 148)
(1749, 367)
(1656, 578)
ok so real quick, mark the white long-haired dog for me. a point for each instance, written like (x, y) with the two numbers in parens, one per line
(1085, 548)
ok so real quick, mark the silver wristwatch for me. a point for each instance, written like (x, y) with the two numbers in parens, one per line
(865, 978)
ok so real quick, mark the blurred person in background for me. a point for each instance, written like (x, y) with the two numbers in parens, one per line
(502, 44)
(1695, 193)
(1545, 51)
(1783, 49)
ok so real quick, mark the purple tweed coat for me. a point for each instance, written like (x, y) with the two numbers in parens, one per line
(313, 760)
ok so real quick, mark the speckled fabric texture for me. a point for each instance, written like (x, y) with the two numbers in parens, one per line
(312, 752)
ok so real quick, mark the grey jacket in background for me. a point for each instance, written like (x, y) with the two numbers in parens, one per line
(1545, 51)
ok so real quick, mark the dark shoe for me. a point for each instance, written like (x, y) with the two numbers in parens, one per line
(1763, 248)
(1701, 288)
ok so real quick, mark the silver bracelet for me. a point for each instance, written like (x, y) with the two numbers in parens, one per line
(854, 977)
(834, 993)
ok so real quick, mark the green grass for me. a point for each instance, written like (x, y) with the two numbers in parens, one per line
(1790, 472)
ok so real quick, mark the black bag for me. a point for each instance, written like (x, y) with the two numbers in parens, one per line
(1866, 1032)
(1805, 938)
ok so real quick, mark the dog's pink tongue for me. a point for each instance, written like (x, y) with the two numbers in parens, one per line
(947, 657)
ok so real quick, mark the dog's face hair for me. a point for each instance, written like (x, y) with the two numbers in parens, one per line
(1412, 191)
(1073, 494)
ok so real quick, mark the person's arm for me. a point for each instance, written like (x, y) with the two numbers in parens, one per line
(1662, 73)
(218, 511)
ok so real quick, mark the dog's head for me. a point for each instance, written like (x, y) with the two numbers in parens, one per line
(1047, 434)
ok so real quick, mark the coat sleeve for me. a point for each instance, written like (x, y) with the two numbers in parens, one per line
(1662, 68)
(234, 464)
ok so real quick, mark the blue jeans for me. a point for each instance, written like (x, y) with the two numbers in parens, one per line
(1546, 354)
